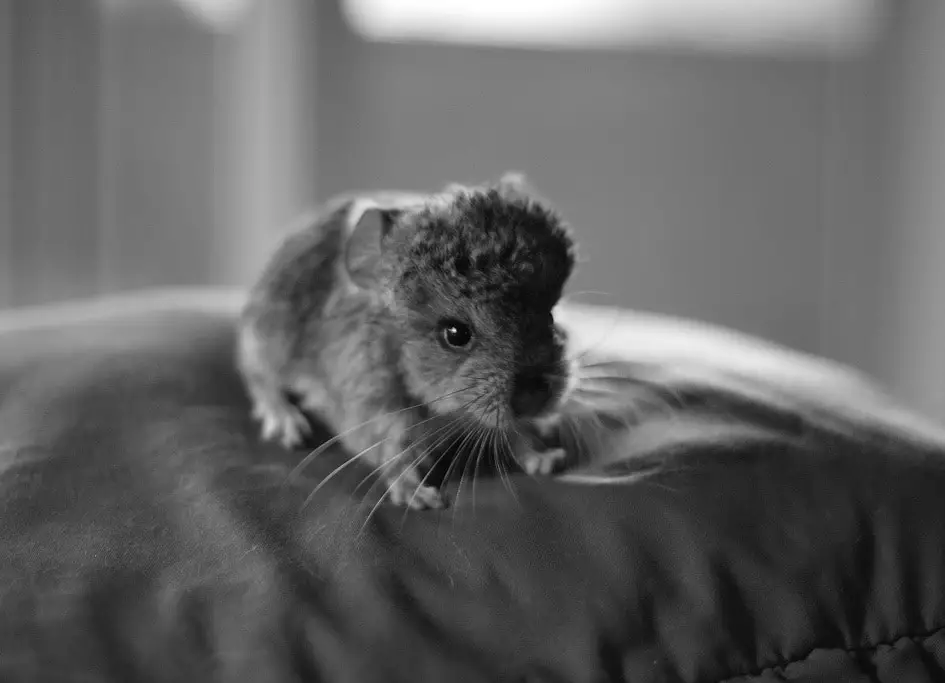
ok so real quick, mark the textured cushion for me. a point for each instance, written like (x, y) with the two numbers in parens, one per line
(146, 535)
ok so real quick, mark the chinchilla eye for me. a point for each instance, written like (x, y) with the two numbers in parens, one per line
(455, 334)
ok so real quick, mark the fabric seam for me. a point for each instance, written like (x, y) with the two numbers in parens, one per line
(817, 648)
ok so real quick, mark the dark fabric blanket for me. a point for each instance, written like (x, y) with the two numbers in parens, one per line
(146, 535)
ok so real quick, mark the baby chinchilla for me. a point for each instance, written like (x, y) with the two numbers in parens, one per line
(389, 315)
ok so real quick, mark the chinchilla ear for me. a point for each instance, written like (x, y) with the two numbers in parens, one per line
(368, 225)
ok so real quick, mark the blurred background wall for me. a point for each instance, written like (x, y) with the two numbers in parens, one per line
(789, 189)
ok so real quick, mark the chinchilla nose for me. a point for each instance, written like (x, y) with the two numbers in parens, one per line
(531, 393)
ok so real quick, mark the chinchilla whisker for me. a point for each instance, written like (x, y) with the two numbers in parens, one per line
(490, 449)
(499, 455)
(393, 460)
(357, 457)
(453, 430)
(484, 439)
(590, 349)
(308, 459)
(584, 378)
(488, 446)
(337, 437)
(453, 434)
(338, 469)
(387, 490)
(462, 455)
(582, 292)
(388, 462)
(456, 430)
(471, 463)
(467, 460)
(452, 427)
(459, 453)
(611, 363)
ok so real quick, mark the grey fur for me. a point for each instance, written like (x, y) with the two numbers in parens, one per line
(363, 349)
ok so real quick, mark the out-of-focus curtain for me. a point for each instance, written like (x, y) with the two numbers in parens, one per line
(142, 145)
(49, 149)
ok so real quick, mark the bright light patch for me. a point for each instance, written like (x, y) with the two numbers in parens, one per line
(736, 24)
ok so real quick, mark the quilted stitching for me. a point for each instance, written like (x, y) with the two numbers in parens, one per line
(906, 659)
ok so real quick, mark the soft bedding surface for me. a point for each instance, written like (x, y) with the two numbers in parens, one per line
(146, 534)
